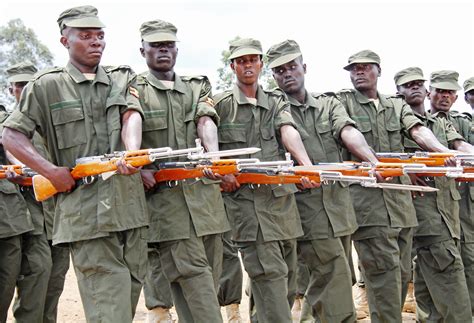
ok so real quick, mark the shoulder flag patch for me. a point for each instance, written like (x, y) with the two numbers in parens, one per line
(134, 92)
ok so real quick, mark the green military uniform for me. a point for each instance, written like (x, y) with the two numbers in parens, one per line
(385, 217)
(231, 280)
(15, 221)
(103, 221)
(36, 253)
(264, 220)
(187, 220)
(327, 215)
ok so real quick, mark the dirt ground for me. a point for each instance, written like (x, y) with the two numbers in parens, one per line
(70, 306)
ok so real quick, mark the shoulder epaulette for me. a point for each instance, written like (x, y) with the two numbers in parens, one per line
(141, 78)
(346, 91)
(467, 115)
(457, 114)
(195, 77)
(221, 96)
(330, 93)
(49, 70)
(275, 91)
(3, 116)
(109, 69)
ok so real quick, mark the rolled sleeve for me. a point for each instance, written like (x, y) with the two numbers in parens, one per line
(205, 104)
(283, 116)
(21, 122)
(408, 118)
(132, 98)
(340, 118)
(451, 133)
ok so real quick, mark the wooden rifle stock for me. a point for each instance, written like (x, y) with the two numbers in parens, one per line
(222, 167)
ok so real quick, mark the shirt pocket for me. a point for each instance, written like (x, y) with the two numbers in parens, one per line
(232, 135)
(155, 120)
(394, 134)
(270, 149)
(330, 145)
(365, 127)
(69, 125)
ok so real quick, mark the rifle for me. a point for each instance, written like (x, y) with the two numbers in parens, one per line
(87, 168)
(463, 172)
(360, 173)
(26, 172)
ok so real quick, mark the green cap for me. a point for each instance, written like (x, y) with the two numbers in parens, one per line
(80, 17)
(468, 84)
(363, 57)
(409, 74)
(158, 31)
(21, 72)
(283, 53)
(445, 80)
(245, 46)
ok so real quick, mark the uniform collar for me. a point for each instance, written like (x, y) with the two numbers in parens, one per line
(262, 99)
(440, 114)
(178, 83)
(78, 77)
(310, 101)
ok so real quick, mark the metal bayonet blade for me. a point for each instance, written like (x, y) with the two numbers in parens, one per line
(226, 153)
(402, 187)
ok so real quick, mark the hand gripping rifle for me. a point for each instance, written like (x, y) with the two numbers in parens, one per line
(88, 168)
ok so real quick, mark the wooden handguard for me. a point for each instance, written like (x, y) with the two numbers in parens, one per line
(178, 174)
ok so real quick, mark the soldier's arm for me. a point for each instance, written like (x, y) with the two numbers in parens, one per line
(463, 146)
(207, 132)
(131, 137)
(291, 139)
(21, 147)
(426, 139)
(356, 144)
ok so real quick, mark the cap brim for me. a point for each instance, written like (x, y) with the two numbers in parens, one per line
(469, 88)
(245, 51)
(409, 78)
(159, 37)
(87, 22)
(283, 60)
(360, 61)
(446, 86)
(20, 78)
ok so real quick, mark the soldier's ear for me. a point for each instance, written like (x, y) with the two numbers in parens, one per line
(380, 71)
(304, 68)
(232, 65)
(64, 41)
(455, 98)
(142, 51)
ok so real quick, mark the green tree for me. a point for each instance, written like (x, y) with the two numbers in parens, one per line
(226, 75)
(19, 43)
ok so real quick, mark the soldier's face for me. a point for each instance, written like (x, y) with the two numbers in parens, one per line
(85, 46)
(469, 97)
(414, 92)
(364, 76)
(247, 68)
(160, 56)
(442, 100)
(16, 88)
(290, 76)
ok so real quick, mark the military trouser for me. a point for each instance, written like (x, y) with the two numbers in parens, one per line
(271, 267)
(231, 280)
(193, 267)
(157, 289)
(302, 276)
(60, 258)
(440, 284)
(110, 273)
(467, 255)
(330, 285)
(10, 266)
(385, 257)
(32, 283)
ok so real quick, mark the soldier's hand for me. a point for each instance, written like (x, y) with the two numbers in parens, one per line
(228, 182)
(307, 184)
(209, 174)
(381, 179)
(148, 179)
(61, 179)
(416, 180)
(124, 169)
(450, 161)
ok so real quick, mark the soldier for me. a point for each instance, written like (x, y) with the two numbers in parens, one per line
(386, 218)
(15, 221)
(439, 269)
(265, 221)
(187, 220)
(327, 214)
(468, 86)
(39, 251)
(85, 109)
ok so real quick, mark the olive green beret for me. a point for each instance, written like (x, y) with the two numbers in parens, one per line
(445, 80)
(468, 84)
(409, 74)
(21, 72)
(158, 31)
(363, 57)
(245, 46)
(283, 53)
(80, 17)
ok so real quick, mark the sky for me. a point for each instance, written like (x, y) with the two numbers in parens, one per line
(433, 35)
